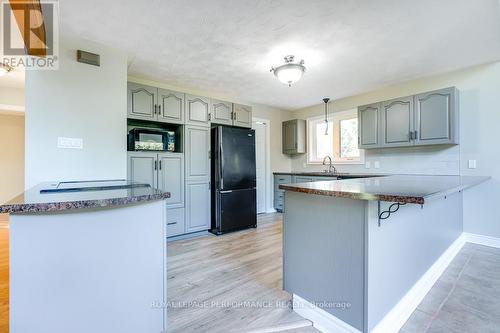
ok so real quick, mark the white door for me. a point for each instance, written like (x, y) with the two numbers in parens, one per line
(260, 163)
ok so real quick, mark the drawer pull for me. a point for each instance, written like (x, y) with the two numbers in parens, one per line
(171, 223)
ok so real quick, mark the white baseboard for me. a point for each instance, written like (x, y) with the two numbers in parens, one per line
(322, 320)
(482, 240)
(397, 317)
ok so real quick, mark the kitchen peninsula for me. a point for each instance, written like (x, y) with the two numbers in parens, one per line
(87, 257)
(376, 244)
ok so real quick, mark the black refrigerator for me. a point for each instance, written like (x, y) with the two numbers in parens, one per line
(233, 176)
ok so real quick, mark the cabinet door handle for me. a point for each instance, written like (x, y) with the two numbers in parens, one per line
(156, 165)
(159, 109)
(415, 135)
(154, 112)
(160, 164)
(410, 135)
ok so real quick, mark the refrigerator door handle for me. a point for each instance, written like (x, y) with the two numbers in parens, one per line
(221, 159)
(228, 191)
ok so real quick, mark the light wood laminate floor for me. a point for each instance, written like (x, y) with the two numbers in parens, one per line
(229, 283)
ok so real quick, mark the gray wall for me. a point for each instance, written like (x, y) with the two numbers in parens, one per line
(77, 101)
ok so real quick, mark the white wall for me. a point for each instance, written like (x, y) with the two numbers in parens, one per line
(479, 123)
(78, 101)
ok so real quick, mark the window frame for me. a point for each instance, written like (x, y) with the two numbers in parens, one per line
(334, 125)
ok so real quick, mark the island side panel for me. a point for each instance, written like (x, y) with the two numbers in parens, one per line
(323, 252)
(406, 245)
(89, 270)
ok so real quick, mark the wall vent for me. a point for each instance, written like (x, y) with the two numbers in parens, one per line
(88, 58)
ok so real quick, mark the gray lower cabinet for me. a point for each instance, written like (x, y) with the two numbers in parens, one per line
(141, 101)
(175, 221)
(291, 179)
(429, 118)
(155, 104)
(294, 137)
(221, 112)
(164, 171)
(170, 106)
(197, 110)
(368, 126)
(197, 206)
(242, 115)
(171, 177)
(436, 117)
(397, 120)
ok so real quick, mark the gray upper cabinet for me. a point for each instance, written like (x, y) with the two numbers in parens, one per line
(294, 136)
(397, 119)
(242, 115)
(141, 101)
(222, 112)
(170, 106)
(429, 118)
(171, 178)
(436, 117)
(197, 110)
(368, 126)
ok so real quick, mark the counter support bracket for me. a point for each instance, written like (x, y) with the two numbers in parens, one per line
(384, 215)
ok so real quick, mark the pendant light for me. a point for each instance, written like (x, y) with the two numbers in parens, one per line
(326, 100)
(290, 72)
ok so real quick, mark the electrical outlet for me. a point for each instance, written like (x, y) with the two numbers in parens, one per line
(69, 143)
(376, 164)
(472, 164)
(367, 165)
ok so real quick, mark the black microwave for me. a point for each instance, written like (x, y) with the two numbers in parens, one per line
(151, 139)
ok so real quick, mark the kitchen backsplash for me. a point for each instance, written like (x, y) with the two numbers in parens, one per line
(435, 160)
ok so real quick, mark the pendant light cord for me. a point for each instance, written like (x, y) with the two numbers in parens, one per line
(326, 100)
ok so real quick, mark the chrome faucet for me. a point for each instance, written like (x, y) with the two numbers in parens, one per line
(331, 168)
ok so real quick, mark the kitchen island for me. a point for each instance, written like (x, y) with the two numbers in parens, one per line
(360, 254)
(87, 257)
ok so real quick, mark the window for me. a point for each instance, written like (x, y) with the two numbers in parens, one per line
(341, 142)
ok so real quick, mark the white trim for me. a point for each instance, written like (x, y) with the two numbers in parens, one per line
(269, 176)
(321, 319)
(284, 327)
(482, 240)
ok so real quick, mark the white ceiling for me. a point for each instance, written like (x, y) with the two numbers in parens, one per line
(349, 47)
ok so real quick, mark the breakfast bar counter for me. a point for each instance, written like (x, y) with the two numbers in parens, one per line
(360, 254)
(87, 257)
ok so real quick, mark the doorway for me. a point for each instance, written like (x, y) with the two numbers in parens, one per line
(262, 162)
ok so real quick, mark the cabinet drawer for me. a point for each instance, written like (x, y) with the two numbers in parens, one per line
(279, 195)
(175, 221)
(282, 179)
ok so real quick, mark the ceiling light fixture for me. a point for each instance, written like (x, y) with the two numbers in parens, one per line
(4, 69)
(289, 72)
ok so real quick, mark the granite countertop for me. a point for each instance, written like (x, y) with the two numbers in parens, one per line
(327, 174)
(404, 189)
(94, 195)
